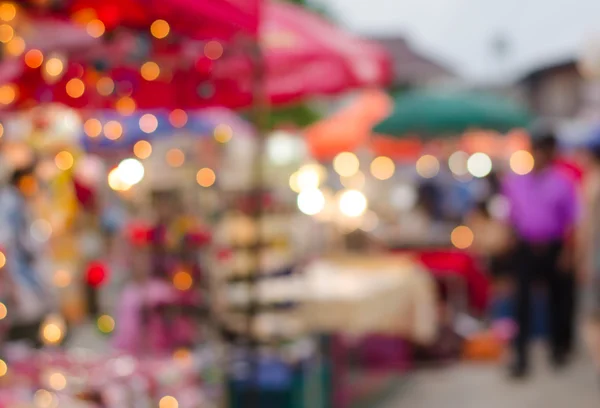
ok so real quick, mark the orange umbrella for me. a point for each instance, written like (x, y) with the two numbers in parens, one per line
(349, 128)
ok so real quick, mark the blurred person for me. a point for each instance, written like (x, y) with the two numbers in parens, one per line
(543, 211)
(30, 298)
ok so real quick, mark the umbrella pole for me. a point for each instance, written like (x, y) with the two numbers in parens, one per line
(260, 118)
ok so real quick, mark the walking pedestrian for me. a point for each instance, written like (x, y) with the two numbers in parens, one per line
(543, 212)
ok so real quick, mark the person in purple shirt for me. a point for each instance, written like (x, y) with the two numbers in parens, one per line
(543, 214)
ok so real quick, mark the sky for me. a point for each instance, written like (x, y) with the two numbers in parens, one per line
(461, 33)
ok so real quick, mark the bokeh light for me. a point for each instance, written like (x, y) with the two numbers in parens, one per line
(294, 186)
(160, 29)
(106, 324)
(178, 118)
(126, 106)
(353, 203)
(522, 162)
(75, 88)
(346, 164)
(3, 311)
(8, 11)
(142, 149)
(168, 402)
(62, 278)
(34, 58)
(1, 130)
(115, 182)
(206, 177)
(183, 281)
(150, 71)
(113, 130)
(95, 28)
(92, 127)
(428, 166)
(148, 123)
(54, 67)
(44, 399)
(105, 86)
(213, 50)
(309, 176)
(223, 133)
(404, 197)
(2, 259)
(457, 163)
(64, 160)
(382, 168)
(175, 158)
(8, 94)
(311, 201)
(479, 165)
(131, 171)
(57, 381)
(462, 237)
(6, 33)
(3, 368)
(52, 330)
(16, 46)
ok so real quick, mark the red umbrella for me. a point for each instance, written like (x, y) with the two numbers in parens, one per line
(304, 56)
(222, 19)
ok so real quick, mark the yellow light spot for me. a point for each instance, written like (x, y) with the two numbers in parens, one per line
(382, 168)
(223, 133)
(106, 324)
(168, 402)
(3, 368)
(352, 203)
(3, 311)
(64, 160)
(462, 237)
(105, 86)
(346, 164)
(294, 186)
(182, 280)
(8, 11)
(206, 177)
(34, 58)
(126, 106)
(92, 127)
(75, 88)
(61, 278)
(16, 47)
(6, 33)
(175, 158)
(522, 162)
(54, 67)
(150, 71)
(148, 123)
(44, 399)
(182, 354)
(178, 118)
(57, 381)
(160, 29)
(115, 182)
(142, 149)
(113, 130)
(213, 50)
(8, 94)
(95, 28)
(52, 333)
(1, 130)
(428, 166)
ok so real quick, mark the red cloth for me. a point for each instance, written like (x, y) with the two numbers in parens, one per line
(455, 262)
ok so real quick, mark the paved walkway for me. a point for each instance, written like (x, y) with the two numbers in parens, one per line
(486, 386)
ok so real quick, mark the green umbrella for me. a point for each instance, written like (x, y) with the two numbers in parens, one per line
(429, 114)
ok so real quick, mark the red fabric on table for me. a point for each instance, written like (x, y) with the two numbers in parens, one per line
(446, 262)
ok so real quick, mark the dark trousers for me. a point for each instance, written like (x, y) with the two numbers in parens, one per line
(539, 264)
